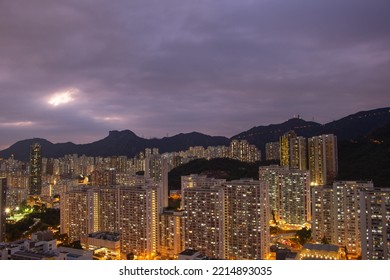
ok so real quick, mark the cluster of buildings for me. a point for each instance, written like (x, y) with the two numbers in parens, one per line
(231, 219)
(41, 246)
(46, 176)
(317, 154)
(117, 212)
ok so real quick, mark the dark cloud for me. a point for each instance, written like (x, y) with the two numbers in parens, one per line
(164, 67)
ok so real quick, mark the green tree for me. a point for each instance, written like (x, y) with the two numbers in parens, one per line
(303, 235)
(324, 240)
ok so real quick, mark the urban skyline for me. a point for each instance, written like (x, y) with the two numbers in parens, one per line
(113, 211)
(71, 71)
(161, 69)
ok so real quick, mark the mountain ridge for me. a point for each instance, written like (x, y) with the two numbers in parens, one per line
(127, 143)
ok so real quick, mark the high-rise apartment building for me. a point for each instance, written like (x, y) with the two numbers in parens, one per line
(197, 181)
(79, 212)
(347, 214)
(298, 153)
(338, 213)
(156, 168)
(295, 207)
(375, 224)
(323, 159)
(3, 196)
(107, 208)
(131, 211)
(243, 151)
(228, 221)
(285, 148)
(138, 220)
(246, 220)
(289, 192)
(171, 234)
(204, 221)
(322, 214)
(35, 169)
(272, 151)
(273, 174)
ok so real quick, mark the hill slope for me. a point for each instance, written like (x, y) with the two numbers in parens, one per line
(117, 143)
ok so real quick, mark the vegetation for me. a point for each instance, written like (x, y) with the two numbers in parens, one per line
(173, 204)
(367, 158)
(303, 235)
(220, 168)
(40, 219)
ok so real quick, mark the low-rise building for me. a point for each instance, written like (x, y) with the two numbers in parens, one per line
(312, 251)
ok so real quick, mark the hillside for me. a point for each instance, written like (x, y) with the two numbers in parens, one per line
(367, 159)
(126, 143)
(347, 128)
(220, 168)
(117, 143)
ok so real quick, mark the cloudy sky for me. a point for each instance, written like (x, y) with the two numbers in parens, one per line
(72, 70)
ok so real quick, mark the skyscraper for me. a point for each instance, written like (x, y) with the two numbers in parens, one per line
(273, 174)
(3, 195)
(35, 169)
(171, 234)
(375, 224)
(131, 211)
(298, 153)
(347, 214)
(246, 220)
(197, 181)
(295, 197)
(79, 212)
(323, 159)
(228, 221)
(285, 147)
(289, 193)
(322, 214)
(138, 220)
(204, 221)
(272, 151)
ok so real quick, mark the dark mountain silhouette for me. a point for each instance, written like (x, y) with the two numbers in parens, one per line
(348, 128)
(127, 143)
(367, 158)
(117, 143)
(260, 135)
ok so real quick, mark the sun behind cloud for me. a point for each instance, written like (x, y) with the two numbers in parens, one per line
(64, 97)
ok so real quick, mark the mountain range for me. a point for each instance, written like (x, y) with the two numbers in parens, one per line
(350, 128)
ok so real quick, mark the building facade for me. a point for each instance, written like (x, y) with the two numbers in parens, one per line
(35, 169)
(347, 214)
(272, 151)
(3, 203)
(171, 234)
(322, 214)
(138, 220)
(323, 159)
(289, 192)
(229, 220)
(375, 224)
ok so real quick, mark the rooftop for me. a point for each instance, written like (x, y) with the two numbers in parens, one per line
(321, 247)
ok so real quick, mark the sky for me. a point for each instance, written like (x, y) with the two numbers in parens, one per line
(73, 70)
